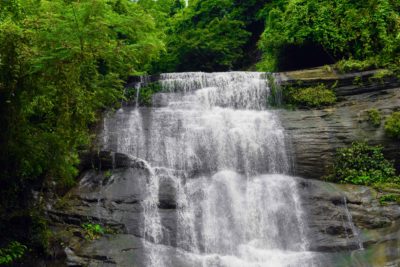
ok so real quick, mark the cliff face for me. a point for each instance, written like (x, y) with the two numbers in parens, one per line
(345, 223)
(316, 134)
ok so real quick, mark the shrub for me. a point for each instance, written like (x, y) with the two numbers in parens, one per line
(364, 165)
(12, 252)
(311, 97)
(374, 117)
(392, 125)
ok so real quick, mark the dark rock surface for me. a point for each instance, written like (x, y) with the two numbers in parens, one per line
(112, 198)
(343, 84)
(316, 134)
(103, 160)
(344, 217)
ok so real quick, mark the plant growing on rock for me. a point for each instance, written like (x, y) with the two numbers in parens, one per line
(383, 200)
(363, 165)
(352, 65)
(392, 125)
(93, 231)
(382, 74)
(374, 117)
(310, 97)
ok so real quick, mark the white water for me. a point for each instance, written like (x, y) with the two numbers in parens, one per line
(235, 205)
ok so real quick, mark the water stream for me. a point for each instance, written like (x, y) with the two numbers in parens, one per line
(213, 138)
(354, 230)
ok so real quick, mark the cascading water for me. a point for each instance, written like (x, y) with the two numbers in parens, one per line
(212, 137)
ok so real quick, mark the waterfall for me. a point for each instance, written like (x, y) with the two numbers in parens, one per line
(353, 228)
(214, 139)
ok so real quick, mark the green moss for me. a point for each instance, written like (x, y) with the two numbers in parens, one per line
(388, 187)
(381, 74)
(358, 81)
(320, 73)
(392, 125)
(383, 200)
(374, 117)
(63, 202)
(352, 65)
(310, 97)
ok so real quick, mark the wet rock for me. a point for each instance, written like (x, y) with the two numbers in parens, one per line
(346, 217)
(314, 135)
(114, 198)
(117, 204)
(125, 250)
(105, 160)
(346, 84)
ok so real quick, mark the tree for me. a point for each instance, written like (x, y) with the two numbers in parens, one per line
(61, 63)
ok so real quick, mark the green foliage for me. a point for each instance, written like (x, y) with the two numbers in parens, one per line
(310, 97)
(383, 200)
(345, 29)
(275, 97)
(147, 92)
(107, 174)
(374, 117)
(392, 125)
(205, 36)
(61, 64)
(352, 65)
(364, 165)
(93, 231)
(12, 252)
(212, 35)
(39, 232)
(381, 74)
(388, 187)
